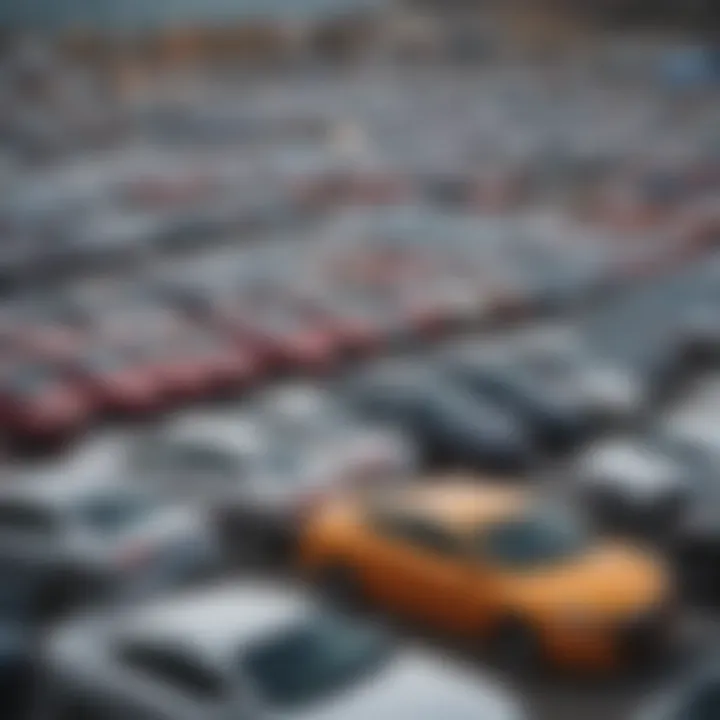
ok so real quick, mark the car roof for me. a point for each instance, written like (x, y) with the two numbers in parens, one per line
(457, 501)
(216, 623)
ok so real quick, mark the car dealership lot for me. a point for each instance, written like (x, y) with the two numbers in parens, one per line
(355, 284)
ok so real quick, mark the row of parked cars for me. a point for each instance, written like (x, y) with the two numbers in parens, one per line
(362, 284)
(399, 486)
(446, 457)
(209, 168)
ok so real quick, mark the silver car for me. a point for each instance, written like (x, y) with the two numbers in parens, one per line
(261, 470)
(251, 651)
(101, 536)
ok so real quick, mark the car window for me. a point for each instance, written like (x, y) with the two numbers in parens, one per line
(173, 668)
(539, 538)
(419, 533)
(27, 519)
(313, 659)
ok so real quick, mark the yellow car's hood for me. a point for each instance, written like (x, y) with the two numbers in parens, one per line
(611, 580)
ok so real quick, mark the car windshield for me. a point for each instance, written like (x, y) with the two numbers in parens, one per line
(543, 537)
(114, 512)
(306, 663)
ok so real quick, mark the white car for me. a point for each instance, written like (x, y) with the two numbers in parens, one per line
(661, 477)
(102, 537)
(261, 470)
(251, 651)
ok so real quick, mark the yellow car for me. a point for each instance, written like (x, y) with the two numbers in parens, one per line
(522, 576)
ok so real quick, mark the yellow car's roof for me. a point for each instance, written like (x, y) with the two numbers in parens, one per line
(456, 501)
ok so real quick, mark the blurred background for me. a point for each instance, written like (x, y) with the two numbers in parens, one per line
(360, 358)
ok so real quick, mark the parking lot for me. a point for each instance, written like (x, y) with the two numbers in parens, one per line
(379, 332)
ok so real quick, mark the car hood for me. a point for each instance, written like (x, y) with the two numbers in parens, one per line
(611, 580)
(417, 687)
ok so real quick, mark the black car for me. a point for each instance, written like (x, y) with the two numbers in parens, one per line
(548, 381)
(451, 427)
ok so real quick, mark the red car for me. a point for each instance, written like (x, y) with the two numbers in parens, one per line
(190, 366)
(39, 405)
(114, 377)
(279, 333)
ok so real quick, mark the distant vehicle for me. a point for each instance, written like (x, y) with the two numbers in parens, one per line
(112, 375)
(279, 333)
(184, 362)
(695, 543)
(449, 426)
(643, 483)
(374, 316)
(547, 378)
(103, 539)
(255, 650)
(663, 484)
(497, 566)
(195, 364)
(261, 471)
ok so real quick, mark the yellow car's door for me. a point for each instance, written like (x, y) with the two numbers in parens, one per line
(421, 571)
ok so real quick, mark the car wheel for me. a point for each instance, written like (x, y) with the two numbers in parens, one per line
(515, 648)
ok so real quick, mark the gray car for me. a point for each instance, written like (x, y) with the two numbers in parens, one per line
(100, 537)
(252, 651)
(260, 470)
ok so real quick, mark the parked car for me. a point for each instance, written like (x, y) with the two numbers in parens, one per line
(643, 483)
(503, 568)
(103, 538)
(547, 378)
(195, 364)
(113, 376)
(262, 470)
(276, 331)
(257, 649)
(449, 426)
